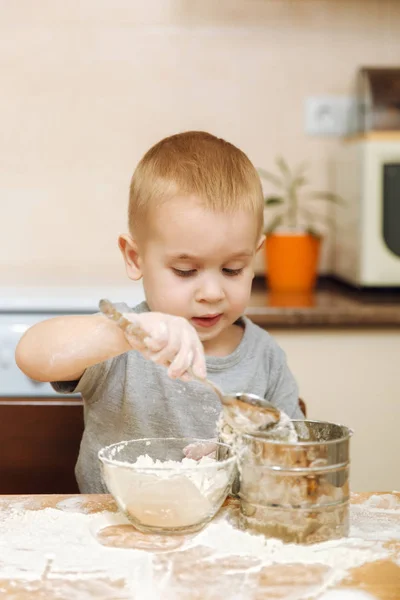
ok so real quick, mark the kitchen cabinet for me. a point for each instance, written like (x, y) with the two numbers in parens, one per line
(352, 376)
(40, 440)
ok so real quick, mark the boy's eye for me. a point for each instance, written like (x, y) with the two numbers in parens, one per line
(232, 272)
(182, 273)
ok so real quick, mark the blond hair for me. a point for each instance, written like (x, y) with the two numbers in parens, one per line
(200, 164)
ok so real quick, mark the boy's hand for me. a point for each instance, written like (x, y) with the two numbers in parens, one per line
(196, 451)
(170, 341)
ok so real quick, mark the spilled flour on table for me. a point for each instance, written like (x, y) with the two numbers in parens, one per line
(58, 552)
(378, 518)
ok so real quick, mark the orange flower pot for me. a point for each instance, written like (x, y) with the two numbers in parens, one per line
(292, 261)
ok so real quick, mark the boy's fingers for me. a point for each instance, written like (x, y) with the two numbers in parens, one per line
(157, 336)
(148, 325)
(173, 343)
(167, 354)
(135, 343)
(153, 344)
(197, 450)
(199, 363)
(182, 360)
(160, 331)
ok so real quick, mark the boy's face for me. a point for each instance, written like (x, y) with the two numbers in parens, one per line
(197, 264)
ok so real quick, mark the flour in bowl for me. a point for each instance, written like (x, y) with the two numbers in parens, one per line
(169, 494)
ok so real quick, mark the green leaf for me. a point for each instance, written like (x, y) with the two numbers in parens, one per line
(328, 196)
(312, 231)
(274, 224)
(313, 218)
(303, 166)
(299, 181)
(283, 166)
(326, 220)
(270, 177)
(274, 200)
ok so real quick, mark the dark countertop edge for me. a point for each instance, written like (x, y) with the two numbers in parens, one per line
(370, 308)
(334, 284)
(320, 322)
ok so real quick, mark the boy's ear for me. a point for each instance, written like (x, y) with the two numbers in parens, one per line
(130, 252)
(260, 243)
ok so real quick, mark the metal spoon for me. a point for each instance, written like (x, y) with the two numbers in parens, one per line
(243, 409)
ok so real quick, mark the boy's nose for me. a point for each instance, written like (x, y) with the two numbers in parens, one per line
(210, 290)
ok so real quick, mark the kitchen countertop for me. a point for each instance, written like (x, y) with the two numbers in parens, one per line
(67, 547)
(332, 304)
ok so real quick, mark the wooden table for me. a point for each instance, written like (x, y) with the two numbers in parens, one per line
(175, 568)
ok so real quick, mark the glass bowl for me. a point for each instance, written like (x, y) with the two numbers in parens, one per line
(167, 498)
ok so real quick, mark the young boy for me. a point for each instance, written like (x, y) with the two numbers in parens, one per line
(195, 225)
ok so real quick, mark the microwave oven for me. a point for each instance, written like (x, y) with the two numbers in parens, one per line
(367, 227)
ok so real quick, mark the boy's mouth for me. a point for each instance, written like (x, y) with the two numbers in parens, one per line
(207, 321)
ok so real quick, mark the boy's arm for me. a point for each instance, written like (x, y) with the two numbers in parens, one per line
(62, 348)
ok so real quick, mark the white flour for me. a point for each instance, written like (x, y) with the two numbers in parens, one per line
(284, 429)
(251, 422)
(169, 494)
(230, 428)
(378, 518)
(60, 550)
(187, 465)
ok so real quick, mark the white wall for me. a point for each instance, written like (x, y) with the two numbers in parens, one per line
(89, 85)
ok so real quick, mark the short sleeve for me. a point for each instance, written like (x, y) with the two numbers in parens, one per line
(89, 384)
(283, 390)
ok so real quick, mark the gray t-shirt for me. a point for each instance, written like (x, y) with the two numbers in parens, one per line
(130, 397)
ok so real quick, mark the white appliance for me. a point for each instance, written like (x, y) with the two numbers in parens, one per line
(367, 237)
(12, 381)
(22, 307)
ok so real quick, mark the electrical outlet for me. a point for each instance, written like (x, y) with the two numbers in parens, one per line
(330, 115)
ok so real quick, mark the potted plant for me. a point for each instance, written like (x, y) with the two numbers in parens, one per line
(295, 231)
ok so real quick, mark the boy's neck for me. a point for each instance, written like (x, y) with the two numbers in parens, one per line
(226, 342)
